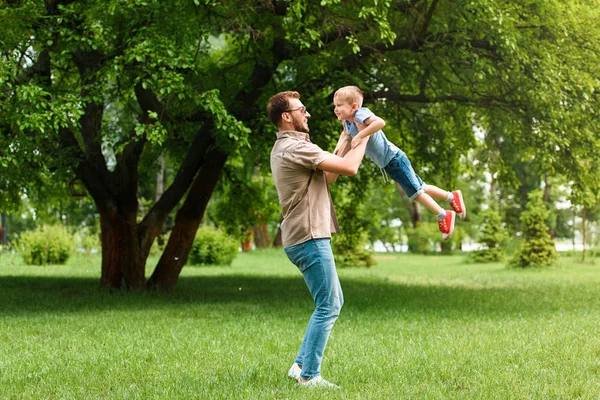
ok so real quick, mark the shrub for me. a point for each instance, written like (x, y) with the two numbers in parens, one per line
(537, 248)
(213, 246)
(493, 237)
(349, 246)
(49, 244)
(87, 240)
(160, 243)
(426, 238)
(349, 250)
(420, 240)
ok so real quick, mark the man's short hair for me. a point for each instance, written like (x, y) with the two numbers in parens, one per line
(280, 103)
(350, 94)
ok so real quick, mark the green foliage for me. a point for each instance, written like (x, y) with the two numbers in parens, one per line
(159, 244)
(213, 247)
(230, 132)
(493, 254)
(426, 238)
(242, 201)
(592, 253)
(349, 250)
(88, 240)
(537, 247)
(349, 246)
(420, 239)
(48, 244)
(492, 238)
(385, 210)
(525, 72)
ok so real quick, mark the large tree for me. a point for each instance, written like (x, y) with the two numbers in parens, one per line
(94, 88)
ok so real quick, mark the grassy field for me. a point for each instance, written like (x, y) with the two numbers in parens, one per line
(412, 327)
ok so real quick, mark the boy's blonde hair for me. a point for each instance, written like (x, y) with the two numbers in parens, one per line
(351, 94)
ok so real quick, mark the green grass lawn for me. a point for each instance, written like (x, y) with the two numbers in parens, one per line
(412, 327)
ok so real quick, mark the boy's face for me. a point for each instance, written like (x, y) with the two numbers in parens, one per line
(344, 109)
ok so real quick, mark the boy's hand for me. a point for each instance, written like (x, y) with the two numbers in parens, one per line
(356, 140)
(343, 145)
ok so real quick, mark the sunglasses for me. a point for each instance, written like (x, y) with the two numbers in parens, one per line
(301, 109)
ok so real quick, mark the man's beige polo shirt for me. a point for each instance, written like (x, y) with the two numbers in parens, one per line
(302, 188)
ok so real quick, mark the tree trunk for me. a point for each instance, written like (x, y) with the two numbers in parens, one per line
(573, 225)
(261, 235)
(277, 240)
(160, 178)
(413, 207)
(583, 217)
(3, 229)
(160, 190)
(445, 247)
(247, 243)
(186, 223)
(122, 261)
(547, 189)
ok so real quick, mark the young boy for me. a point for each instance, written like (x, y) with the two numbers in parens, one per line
(360, 123)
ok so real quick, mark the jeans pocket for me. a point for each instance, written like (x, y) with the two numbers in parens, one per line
(297, 255)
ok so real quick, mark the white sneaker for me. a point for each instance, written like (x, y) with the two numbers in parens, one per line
(294, 372)
(317, 381)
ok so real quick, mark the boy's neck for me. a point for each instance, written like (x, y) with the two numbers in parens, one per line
(351, 120)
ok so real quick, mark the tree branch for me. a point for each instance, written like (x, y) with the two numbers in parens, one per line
(193, 161)
(83, 170)
(428, 17)
(482, 101)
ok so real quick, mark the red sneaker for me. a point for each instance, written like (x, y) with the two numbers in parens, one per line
(458, 204)
(446, 225)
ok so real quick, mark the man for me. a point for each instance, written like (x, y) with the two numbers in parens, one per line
(301, 171)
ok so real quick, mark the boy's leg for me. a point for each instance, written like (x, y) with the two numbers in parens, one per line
(317, 265)
(454, 198)
(445, 218)
(458, 204)
(426, 201)
(435, 192)
(401, 170)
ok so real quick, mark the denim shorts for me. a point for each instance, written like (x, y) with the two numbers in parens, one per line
(400, 170)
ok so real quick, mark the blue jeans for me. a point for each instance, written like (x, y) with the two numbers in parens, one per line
(401, 170)
(315, 260)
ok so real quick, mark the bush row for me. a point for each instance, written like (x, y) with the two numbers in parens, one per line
(54, 245)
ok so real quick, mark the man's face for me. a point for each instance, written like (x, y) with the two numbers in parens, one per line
(299, 116)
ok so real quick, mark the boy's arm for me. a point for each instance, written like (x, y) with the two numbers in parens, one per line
(341, 149)
(343, 144)
(372, 125)
(347, 165)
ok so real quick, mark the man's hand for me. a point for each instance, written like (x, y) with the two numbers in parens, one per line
(334, 165)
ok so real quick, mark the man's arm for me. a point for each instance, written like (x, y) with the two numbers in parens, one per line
(334, 165)
(343, 144)
(372, 125)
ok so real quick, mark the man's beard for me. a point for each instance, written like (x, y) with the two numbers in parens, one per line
(300, 126)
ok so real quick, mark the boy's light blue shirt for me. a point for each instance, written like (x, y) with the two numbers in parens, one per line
(379, 149)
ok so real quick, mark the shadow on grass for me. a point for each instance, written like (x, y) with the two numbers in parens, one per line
(70, 295)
